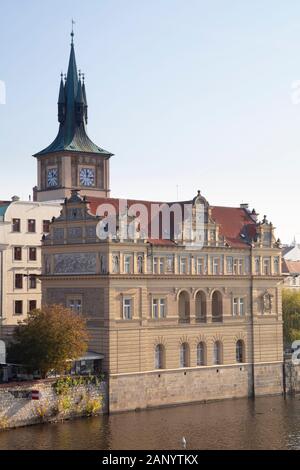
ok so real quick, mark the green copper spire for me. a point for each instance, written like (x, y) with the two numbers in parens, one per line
(72, 114)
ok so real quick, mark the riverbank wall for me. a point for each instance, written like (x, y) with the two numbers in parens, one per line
(153, 389)
(50, 400)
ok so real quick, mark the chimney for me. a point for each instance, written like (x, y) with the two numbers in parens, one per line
(15, 198)
(244, 206)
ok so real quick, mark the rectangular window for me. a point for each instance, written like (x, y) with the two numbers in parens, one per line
(158, 308)
(242, 307)
(216, 266)
(276, 265)
(266, 266)
(238, 306)
(229, 264)
(19, 281)
(212, 235)
(75, 305)
(200, 266)
(31, 225)
(18, 307)
(155, 265)
(17, 253)
(127, 264)
(240, 266)
(235, 306)
(183, 265)
(32, 282)
(32, 254)
(32, 305)
(16, 225)
(235, 266)
(162, 308)
(155, 307)
(161, 266)
(257, 265)
(46, 226)
(127, 309)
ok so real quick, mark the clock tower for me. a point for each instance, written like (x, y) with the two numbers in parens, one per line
(72, 161)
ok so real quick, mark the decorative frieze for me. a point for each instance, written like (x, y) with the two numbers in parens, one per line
(75, 263)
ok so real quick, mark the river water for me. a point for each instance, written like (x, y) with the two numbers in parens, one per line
(266, 423)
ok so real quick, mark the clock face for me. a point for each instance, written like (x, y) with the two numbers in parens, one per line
(87, 177)
(52, 177)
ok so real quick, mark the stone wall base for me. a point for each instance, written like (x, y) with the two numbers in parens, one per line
(171, 387)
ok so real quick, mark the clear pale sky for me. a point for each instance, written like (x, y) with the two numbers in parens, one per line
(193, 93)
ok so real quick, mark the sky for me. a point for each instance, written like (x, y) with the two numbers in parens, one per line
(188, 95)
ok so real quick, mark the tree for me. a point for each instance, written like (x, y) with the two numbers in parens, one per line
(291, 315)
(48, 339)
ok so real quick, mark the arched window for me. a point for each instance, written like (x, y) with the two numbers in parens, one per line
(217, 307)
(200, 307)
(201, 354)
(218, 353)
(184, 307)
(184, 355)
(159, 356)
(240, 351)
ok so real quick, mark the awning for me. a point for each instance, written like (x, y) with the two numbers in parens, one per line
(90, 356)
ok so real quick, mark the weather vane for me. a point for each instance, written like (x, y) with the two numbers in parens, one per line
(72, 33)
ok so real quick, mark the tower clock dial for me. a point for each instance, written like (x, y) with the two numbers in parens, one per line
(52, 177)
(87, 177)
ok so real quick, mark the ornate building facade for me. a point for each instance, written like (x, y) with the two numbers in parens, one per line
(175, 323)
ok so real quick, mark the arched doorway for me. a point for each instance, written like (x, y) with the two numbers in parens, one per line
(184, 307)
(217, 307)
(200, 307)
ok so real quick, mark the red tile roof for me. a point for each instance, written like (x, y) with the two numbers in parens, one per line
(236, 224)
(290, 267)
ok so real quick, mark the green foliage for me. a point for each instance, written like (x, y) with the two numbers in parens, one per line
(291, 315)
(93, 405)
(64, 404)
(63, 385)
(48, 339)
(42, 411)
(3, 422)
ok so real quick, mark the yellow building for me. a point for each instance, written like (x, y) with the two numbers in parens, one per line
(176, 321)
(22, 226)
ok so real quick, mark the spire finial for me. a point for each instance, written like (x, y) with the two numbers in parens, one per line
(79, 74)
(72, 32)
(83, 76)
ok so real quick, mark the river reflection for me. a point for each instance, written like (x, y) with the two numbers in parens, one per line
(266, 423)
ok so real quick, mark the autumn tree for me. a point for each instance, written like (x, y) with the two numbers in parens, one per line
(291, 315)
(48, 339)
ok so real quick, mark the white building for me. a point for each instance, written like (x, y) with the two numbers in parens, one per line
(292, 252)
(22, 225)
